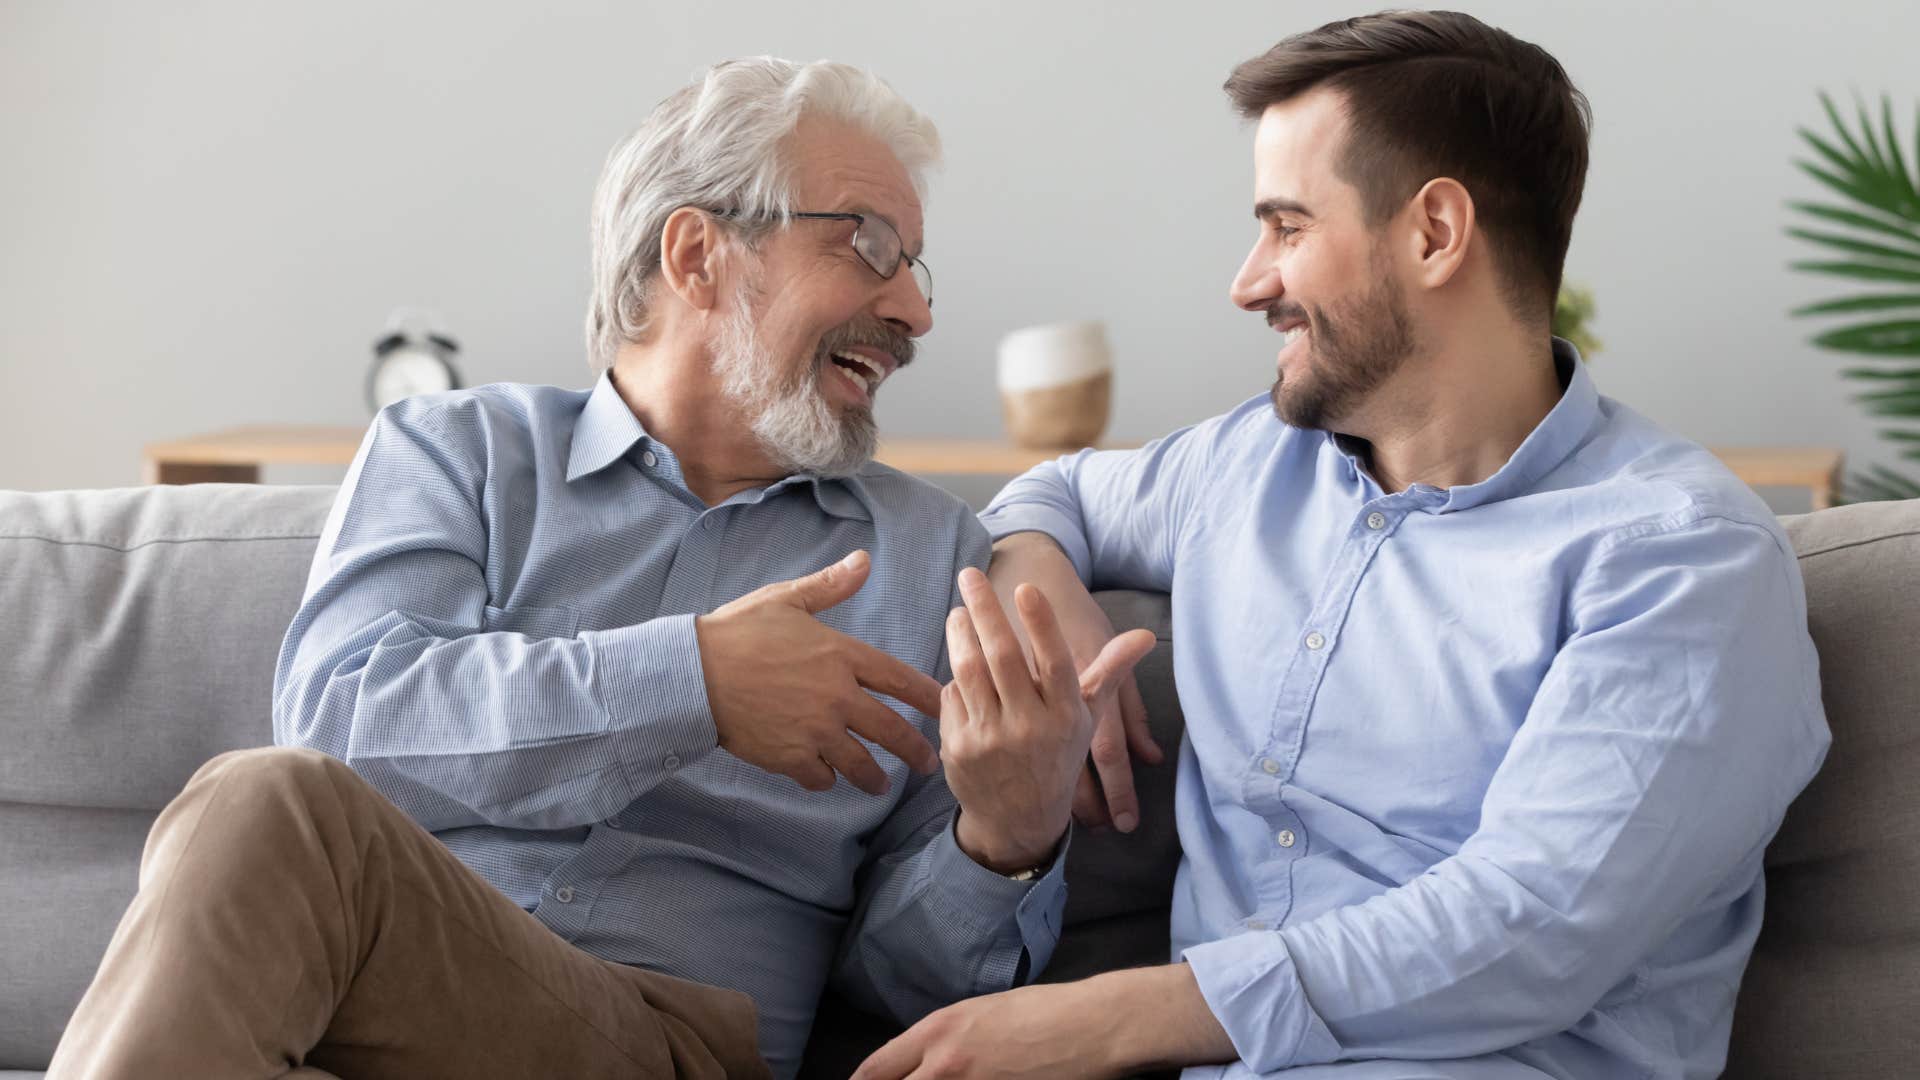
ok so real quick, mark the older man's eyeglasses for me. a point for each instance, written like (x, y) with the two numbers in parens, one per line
(875, 240)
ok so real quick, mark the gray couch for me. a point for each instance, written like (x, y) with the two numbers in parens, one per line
(138, 630)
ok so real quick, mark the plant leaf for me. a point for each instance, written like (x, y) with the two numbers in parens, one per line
(1896, 159)
(1826, 102)
(1900, 435)
(1883, 375)
(1856, 169)
(1894, 337)
(1863, 271)
(1866, 302)
(1906, 406)
(1852, 190)
(1857, 247)
(1874, 153)
(1880, 483)
(1909, 233)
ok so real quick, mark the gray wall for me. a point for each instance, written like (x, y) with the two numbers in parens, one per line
(208, 210)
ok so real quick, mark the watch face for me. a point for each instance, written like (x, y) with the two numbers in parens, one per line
(407, 371)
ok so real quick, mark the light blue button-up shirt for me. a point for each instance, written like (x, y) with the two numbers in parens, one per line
(498, 633)
(1480, 776)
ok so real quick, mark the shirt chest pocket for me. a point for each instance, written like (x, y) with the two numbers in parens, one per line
(532, 620)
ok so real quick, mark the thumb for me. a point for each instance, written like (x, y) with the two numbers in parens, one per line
(823, 589)
(1115, 661)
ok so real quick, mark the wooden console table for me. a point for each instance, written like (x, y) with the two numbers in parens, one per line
(234, 456)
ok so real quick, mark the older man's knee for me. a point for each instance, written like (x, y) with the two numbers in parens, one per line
(271, 769)
(278, 784)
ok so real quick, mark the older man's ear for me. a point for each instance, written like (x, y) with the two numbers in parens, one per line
(690, 252)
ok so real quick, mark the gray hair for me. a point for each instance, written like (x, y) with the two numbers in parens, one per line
(717, 144)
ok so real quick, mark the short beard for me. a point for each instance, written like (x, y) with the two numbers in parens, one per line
(791, 417)
(1350, 363)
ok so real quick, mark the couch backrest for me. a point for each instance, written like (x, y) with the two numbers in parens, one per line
(138, 631)
(1834, 986)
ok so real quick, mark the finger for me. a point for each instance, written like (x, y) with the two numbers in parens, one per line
(1115, 660)
(896, 1059)
(1005, 659)
(953, 707)
(852, 761)
(1110, 760)
(1133, 715)
(884, 674)
(823, 589)
(884, 727)
(815, 775)
(1089, 809)
(1052, 657)
(969, 665)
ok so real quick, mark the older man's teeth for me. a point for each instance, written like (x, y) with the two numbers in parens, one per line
(867, 373)
(1288, 337)
(858, 381)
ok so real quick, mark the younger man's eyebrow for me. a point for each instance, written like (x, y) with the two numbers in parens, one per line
(1268, 208)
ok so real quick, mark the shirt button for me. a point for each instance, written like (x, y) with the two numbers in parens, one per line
(708, 523)
(1315, 640)
(1376, 521)
(671, 761)
(1269, 766)
(1286, 837)
(564, 894)
(649, 459)
(1256, 924)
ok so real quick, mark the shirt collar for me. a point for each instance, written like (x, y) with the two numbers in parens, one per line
(1550, 443)
(607, 431)
(1561, 432)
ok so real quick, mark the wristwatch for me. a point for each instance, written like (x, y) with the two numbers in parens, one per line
(1037, 872)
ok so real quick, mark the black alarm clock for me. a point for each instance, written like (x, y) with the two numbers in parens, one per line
(409, 361)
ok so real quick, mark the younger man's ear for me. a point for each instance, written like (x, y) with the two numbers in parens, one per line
(690, 257)
(1443, 230)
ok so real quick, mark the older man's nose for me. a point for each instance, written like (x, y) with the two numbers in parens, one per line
(903, 305)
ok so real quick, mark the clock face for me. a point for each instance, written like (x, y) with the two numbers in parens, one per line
(407, 371)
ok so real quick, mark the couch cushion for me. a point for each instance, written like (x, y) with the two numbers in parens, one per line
(1834, 986)
(1115, 879)
(152, 618)
(142, 626)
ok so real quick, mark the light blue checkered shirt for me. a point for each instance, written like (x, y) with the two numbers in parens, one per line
(498, 634)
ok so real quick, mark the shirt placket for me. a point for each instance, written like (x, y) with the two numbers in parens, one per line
(1270, 767)
(567, 899)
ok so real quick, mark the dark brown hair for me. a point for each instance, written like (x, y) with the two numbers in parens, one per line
(1437, 93)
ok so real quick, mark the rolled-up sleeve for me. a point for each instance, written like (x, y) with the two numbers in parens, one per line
(1117, 514)
(396, 663)
(1672, 729)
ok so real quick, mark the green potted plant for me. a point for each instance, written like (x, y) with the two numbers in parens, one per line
(1873, 237)
(1573, 309)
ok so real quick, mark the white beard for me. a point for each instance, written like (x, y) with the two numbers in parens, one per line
(794, 423)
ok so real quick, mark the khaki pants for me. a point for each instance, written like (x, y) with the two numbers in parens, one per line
(291, 919)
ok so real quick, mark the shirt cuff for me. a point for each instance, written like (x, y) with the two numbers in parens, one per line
(1004, 521)
(1252, 988)
(651, 686)
(982, 900)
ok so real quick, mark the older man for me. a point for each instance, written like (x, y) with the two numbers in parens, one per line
(1495, 691)
(626, 761)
